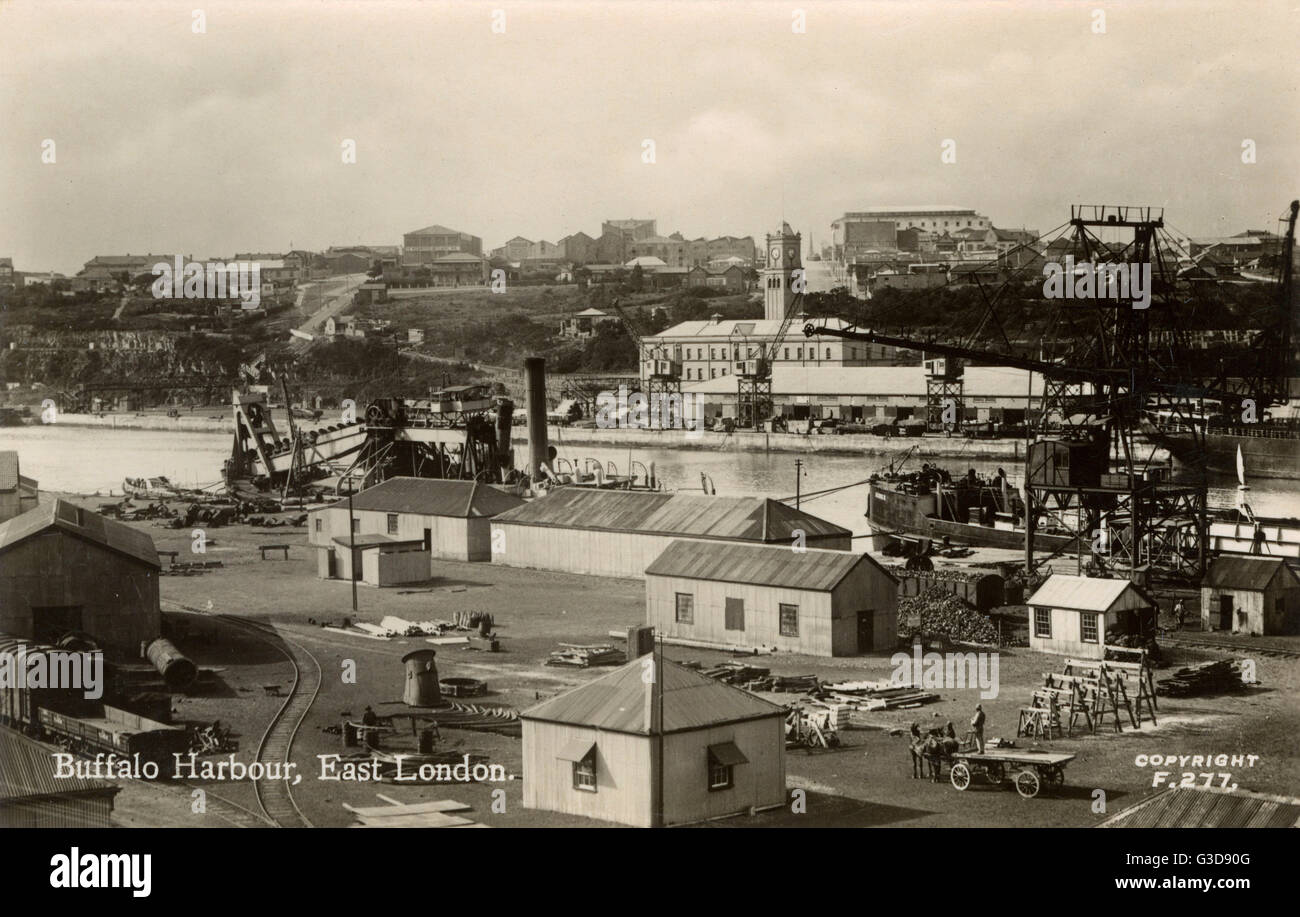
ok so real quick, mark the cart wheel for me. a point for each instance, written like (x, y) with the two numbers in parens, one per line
(960, 776)
(1055, 776)
(995, 773)
(1027, 784)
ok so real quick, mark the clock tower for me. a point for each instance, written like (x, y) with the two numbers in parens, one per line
(780, 277)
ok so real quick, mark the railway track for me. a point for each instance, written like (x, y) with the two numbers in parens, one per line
(274, 797)
(1239, 648)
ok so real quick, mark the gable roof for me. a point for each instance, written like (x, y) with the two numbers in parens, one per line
(622, 701)
(640, 512)
(1209, 807)
(1229, 572)
(814, 569)
(81, 523)
(436, 230)
(1088, 593)
(433, 497)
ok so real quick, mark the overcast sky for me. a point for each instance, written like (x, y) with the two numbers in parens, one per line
(207, 144)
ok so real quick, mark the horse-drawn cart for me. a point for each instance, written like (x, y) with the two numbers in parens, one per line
(1028, 771)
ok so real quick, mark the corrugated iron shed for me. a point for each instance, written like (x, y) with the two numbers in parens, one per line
(747, 518)
(762, 565)
(1088, 593)
(1253, 573)
(622, 701)
(434, 497)
(1209, 807)
(80, 523)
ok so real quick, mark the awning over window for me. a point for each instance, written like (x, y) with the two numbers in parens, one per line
(576, 750)
(727, 754)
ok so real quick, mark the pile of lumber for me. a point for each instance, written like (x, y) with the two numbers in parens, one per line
(876, 695)
(938, 612)
(1218, 677)
(583, 657)
(736, 673)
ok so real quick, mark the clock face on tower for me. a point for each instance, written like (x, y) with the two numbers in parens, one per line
(776, 254)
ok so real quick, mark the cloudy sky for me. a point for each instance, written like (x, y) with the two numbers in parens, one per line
(231, 140)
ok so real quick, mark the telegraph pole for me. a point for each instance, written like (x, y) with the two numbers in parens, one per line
(352, 550)
(798, 476)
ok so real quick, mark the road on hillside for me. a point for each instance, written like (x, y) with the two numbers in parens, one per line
(331, 298)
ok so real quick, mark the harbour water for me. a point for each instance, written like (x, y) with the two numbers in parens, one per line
(86, 460)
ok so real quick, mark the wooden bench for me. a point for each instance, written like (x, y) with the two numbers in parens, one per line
(273, 547)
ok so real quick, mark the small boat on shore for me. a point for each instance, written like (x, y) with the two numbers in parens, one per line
(159, 488)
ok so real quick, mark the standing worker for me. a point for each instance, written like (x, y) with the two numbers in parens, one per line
(1179, 613)
(977, 727)
(371, 721)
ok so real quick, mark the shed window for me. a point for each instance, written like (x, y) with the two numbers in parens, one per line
(789, 620)
(685, 608)
(1042, 622)
(1088, 630)
(392, 523)
(318, 524)
(584, 773)
(723, 759)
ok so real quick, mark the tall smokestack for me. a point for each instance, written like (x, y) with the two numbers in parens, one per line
(535, 376)
(505, 417)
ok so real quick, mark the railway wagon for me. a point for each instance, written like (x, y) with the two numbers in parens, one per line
(113, 730)
(19, 703)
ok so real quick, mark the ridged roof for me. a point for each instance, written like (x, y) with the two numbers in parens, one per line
(433, 497)
(1088, 593)
(622, 701)
(83, 523)
(759, 564)
(27, 771)
(1228, 572)
(746, 518)
(1209, 807)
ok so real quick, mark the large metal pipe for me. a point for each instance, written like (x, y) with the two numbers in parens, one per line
(174, 666)
(535, 377)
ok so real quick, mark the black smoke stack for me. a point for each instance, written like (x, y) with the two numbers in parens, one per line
(535, 376)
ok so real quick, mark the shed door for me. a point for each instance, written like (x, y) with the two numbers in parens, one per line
(735, 614)
(865, 619)
(1225, 612)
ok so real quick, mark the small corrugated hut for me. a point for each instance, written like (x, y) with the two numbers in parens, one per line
(1070, 615)
(604, 750)
(1251, 595)
(32, 797)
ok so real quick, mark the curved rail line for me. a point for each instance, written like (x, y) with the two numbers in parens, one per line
(274, 797)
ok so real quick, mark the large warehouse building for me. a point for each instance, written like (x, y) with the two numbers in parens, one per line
(450, 518)
(619, 532)
(824, 603)
(595, 751)
(64, 568)
(877, 394)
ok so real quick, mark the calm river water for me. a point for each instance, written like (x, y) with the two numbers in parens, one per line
(88, 459)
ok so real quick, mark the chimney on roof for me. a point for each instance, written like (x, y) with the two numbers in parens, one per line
(716, 317)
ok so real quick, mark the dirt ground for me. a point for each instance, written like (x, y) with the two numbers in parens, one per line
(865, 782)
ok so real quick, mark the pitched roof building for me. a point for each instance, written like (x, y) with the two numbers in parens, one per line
(654, 742)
